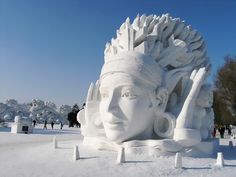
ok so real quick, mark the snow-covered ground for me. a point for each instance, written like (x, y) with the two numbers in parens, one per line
(32, 155)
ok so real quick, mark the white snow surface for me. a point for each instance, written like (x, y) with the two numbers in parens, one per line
(32, 155)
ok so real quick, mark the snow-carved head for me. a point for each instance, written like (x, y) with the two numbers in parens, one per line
(130, 94)
(143, 65)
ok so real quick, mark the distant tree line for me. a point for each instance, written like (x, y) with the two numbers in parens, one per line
(225, 92)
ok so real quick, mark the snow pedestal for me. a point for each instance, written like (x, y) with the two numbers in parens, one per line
(54, 142)
(220, 159)
(178, 160)
(121, 156)
(22, 125)
(187, 137)
(76, 153)
(204, 148)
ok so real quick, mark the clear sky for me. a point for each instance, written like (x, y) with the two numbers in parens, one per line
(53, 49)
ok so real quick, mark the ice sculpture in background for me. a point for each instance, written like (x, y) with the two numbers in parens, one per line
(149, 90)
(41, 111)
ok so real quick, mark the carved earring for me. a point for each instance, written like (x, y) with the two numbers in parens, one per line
(164, 125)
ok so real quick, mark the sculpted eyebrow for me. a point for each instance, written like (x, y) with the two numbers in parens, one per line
(103, 89)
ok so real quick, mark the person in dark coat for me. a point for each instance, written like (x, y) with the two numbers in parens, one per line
(229, 131)
(34, 123)
(214, 133)
(52, 124)
(45, 124)
(61, 124)
(222, 131)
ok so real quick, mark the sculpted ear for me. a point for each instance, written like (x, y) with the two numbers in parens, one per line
(161, 99)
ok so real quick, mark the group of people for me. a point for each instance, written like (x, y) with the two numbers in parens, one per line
(52, 124)
(45, 124)
(222, 130)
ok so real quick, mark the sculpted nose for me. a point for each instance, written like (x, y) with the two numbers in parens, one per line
(112, 106)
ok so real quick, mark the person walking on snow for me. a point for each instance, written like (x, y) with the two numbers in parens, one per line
(45, 124)
(61, 125)
(52, 124)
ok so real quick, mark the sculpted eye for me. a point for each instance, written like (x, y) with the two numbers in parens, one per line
(104, 95)
(128, 94)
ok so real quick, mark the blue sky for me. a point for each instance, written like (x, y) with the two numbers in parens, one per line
(53, 49)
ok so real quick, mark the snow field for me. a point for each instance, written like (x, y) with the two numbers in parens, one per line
(34, 156)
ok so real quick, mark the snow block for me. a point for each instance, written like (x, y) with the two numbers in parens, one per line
(178, 160)
(76, 155)
(121, 155)
(220, 160)
(55, 144)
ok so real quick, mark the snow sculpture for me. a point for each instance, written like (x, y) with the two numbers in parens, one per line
(11, 102)
(41, 111)
(51, 105)
(64, 111)
(11, 108)
(3, 108)
(150, 89)
(36, 110)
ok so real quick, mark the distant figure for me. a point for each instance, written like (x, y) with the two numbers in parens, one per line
(222, 131)
(229, 131)
(45, 124)
(214, 133)
(61, 125)
(34, 123)
(52, 124)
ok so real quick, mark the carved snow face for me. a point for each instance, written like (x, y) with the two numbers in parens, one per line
(126, 108)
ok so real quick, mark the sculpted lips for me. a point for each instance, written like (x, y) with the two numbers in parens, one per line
(113, 122)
